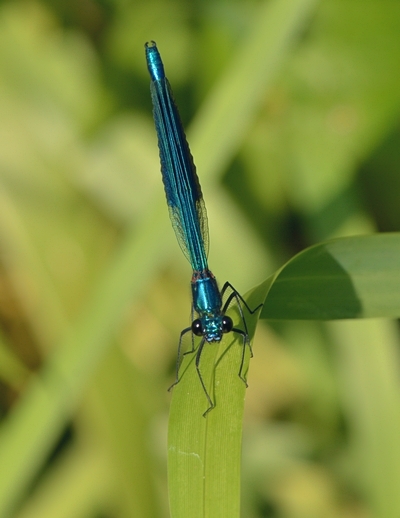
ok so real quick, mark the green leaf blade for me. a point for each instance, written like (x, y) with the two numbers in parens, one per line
(204, 453)
(353, 277)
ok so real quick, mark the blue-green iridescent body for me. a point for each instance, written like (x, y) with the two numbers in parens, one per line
(184, 197)
(189, 220)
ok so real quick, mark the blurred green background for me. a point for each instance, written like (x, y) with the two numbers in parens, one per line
(94, 289)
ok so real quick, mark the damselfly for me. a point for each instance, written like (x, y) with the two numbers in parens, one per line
(189, 220)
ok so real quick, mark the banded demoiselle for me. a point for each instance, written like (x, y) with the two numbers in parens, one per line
(189, 220)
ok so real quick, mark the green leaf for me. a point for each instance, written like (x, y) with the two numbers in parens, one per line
(353, 277)
(204, 452)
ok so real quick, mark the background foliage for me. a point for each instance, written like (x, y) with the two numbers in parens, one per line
(94, 290)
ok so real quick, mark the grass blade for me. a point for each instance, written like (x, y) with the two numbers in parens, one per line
(352, 277)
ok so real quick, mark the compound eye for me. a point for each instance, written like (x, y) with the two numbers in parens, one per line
(227, 324)
(197, 328)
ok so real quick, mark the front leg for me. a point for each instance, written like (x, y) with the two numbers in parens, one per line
(235, 294)
(245, 342)
(180, 356)
(239, 300)
(211, 404)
